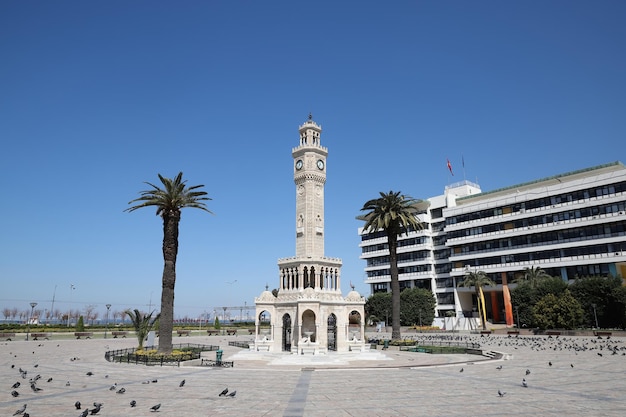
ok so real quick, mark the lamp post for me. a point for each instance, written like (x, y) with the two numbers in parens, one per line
(32, 309)
(595, 315)
(69, 313)
(517, 315)
(106, 329)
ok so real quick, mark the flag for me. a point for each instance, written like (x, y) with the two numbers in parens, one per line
(450, 167)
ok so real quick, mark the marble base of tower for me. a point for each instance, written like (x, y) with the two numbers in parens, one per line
(309, 321)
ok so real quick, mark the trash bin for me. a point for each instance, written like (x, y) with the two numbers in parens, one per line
(386, 344)
(218, 355)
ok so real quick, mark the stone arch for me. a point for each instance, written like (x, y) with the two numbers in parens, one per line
(287, 332)
(332, 332)
(309, 328)
(354, 325)
(265, 323)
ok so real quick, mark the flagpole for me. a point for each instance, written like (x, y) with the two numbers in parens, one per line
(463, 164)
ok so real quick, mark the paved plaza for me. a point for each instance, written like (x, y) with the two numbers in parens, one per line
(565, 376)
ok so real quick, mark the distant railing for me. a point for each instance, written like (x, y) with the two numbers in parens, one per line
(190, 351)
(244, 345)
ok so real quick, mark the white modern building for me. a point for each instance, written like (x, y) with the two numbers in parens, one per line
(309, 313)
(572, 224)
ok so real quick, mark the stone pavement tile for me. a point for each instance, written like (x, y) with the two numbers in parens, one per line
(403, 385)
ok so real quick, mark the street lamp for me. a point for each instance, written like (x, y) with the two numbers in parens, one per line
(107, 326)
(595, 315)
(69, 313)
(32, 309)
(517, 315)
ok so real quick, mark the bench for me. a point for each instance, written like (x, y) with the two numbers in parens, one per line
(601, 333)
(485, 332)
(119, 333)
(516, 332)
(83, 334)
(553, 333)
(231, 332)
(408, 348)
(7, 336)
(251, 331)
(183, 332)
(36, 336)
(213, 332)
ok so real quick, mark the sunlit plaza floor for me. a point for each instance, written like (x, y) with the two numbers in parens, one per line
(565, 376)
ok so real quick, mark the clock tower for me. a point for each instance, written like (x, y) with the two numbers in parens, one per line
(309, 159)
(309, 314)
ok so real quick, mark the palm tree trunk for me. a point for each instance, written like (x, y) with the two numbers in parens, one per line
(170, 252)
(392, 241)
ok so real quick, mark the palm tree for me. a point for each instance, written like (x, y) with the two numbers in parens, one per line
(169, 202)
(532, 275)
(142, 323)
(478, 280)
(394, 214)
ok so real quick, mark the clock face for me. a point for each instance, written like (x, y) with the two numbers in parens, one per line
(299, 164)
(320, 164)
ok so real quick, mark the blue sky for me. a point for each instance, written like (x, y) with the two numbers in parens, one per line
(98, 97)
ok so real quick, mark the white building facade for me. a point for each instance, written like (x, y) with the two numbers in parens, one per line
(572, 224)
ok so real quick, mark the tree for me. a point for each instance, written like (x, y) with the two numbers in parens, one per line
(532, 275)
(169, 201)
(80, 325)
(417, 307)
(478, 280)
(597, 296)
(394, 214)
(143, 324)
(378, 306)
(524, 297)
(558, 312)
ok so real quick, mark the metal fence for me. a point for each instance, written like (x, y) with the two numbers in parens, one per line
(190, 351)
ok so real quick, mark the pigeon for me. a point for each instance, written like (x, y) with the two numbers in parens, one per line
(461, 370)
(501, 393)
(67, 384)
(154, 381)
(84, 413)
(25, 415)
(224, 392)
(524, 384)
(155, 407)
(15, 393)
(96, 410)
(77, 405)
(49, 379)
(182, 383)
(36, 365)
(35, 388)
(133, 403)
(121, 391)
(20, 411)
(232, 394)
(571, 365)
(112, 388)
(16, 385)
(550, 363)
(499, 367)
(527, 371)
(89, 373)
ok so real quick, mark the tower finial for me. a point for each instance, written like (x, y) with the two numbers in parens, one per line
(310, 116)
